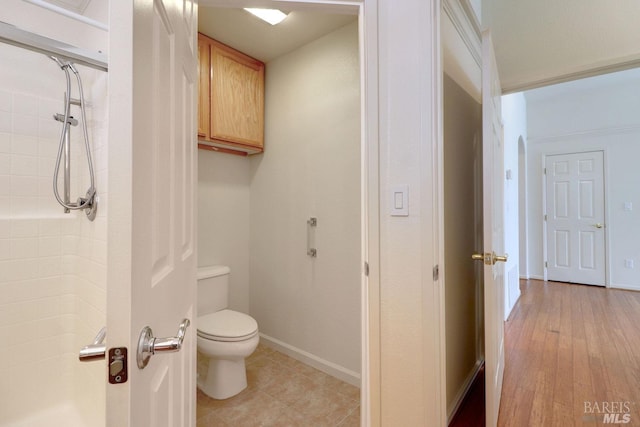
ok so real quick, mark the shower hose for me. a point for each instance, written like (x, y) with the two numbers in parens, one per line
(88, 202)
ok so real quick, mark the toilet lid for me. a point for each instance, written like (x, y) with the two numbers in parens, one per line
(227, 325)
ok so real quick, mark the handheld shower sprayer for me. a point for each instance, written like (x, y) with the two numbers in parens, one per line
(88, 202)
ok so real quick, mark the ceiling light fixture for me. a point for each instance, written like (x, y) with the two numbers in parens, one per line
(272, 16)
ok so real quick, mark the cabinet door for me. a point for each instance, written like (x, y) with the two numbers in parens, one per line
(204, 74)
(237, 97)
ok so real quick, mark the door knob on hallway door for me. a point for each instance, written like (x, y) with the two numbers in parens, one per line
(598, 225)
(490, 258)
(500, 258)
(486, 258)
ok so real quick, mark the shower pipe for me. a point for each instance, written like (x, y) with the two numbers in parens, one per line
(15, 36)
(89, 202)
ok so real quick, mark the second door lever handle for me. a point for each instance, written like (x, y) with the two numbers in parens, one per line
(95, 350)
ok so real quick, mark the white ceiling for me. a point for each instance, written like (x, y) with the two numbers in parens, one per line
(542, 41)
(246, 33)
(629, 79)
(537, 42)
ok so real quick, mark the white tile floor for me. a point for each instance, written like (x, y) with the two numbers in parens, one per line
(283, 392)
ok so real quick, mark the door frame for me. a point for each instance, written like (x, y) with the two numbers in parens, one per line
(467, 51)
(605, 174)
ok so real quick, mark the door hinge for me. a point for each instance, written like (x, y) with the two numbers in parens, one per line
(545, 217)
(544, 170)
(366, 269)
(436, 273)
(546, 264)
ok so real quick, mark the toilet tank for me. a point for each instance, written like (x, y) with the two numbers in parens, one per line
(213, 288)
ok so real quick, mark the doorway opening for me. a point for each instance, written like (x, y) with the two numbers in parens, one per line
(253, 211)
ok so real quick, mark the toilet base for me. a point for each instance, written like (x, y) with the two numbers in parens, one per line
(224, 378)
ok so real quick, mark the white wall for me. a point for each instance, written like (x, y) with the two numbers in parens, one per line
(604, 117)
(53, 281)
(310, 168)
(223, 219)
(409, 78)
(253, 211)
(514, 114)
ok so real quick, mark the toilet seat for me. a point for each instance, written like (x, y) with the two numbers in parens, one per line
(227, 326)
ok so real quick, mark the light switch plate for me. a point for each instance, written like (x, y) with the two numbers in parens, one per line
(399, 200)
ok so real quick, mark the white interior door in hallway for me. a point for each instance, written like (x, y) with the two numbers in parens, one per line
(493, 229)
(575, 218)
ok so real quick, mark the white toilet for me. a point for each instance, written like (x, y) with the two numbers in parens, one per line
(225, 337)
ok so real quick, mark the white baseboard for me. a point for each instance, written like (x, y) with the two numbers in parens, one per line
(457, 401)
(536, 277)
(319, 363)
(624, 287)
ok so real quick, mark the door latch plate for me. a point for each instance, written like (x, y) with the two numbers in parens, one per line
(118, 365)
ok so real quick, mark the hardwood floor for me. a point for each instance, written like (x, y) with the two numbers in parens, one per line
(572, 357)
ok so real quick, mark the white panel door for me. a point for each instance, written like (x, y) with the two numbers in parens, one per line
(159, 218)
(493, 234)
(575, 218)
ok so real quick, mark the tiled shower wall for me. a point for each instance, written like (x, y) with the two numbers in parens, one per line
(52, 265)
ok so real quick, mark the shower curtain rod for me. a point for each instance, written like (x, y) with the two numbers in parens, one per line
(15, 36)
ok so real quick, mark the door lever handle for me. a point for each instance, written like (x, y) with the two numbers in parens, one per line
(148, 345)
(95, 350)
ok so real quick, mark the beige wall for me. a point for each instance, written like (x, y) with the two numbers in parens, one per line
(462, 122)
(310, 168)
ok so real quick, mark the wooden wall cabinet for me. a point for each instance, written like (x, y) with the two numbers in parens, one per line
(231, 100)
